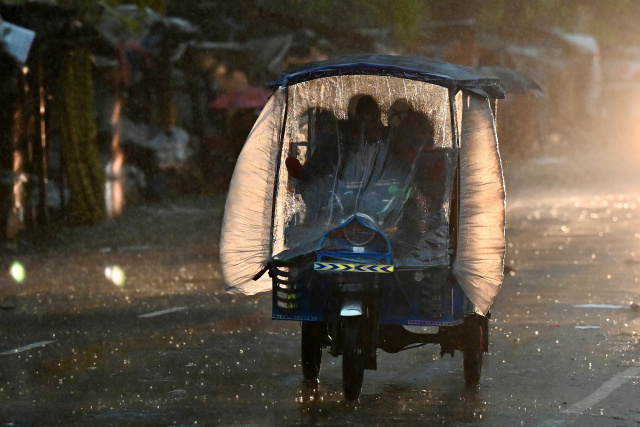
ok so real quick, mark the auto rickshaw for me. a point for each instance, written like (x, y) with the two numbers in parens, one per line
(370, 190)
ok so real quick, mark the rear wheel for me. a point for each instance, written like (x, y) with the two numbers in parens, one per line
(311, 349)
(352, 363)
(473, 349)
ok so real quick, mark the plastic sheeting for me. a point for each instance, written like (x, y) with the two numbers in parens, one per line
(275, 166)
(479, 262)
(245, 241)
(396, 171)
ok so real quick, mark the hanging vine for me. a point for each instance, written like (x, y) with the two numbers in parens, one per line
(74, 104)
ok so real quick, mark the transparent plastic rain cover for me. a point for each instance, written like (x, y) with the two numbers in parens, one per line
(377, 147)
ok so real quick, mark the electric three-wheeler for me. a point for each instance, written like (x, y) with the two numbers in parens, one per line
(369, 200)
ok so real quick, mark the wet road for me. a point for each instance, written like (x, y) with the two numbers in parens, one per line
(169, 347)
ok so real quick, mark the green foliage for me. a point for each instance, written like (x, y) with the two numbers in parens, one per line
(508, 13)
(74, 106)
(88, 7)
(408, 17)
(404, 18)
(615, 20)
(611, 19)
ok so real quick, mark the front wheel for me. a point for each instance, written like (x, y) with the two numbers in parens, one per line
(473, 349)
(311, 349)
(352, 366)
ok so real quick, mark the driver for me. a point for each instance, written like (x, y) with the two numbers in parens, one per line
(356, 175)
(361, 131)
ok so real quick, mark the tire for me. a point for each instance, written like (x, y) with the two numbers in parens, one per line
(473, 349)
(352, 366)
(311, 349)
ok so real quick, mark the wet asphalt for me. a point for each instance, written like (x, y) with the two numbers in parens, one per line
(169, 347)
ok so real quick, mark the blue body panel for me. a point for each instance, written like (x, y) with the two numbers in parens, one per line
(427, 296)
(435, 300)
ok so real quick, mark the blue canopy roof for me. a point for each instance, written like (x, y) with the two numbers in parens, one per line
(424, 69)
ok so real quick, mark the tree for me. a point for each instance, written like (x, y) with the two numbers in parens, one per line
(64, 66)
(75, 112)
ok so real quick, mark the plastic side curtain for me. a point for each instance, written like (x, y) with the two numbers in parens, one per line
(245, 242)
(479, 261)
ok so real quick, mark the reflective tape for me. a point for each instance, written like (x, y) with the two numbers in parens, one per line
(356, 268)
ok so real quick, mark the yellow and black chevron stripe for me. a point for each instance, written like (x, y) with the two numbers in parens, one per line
(355, 268)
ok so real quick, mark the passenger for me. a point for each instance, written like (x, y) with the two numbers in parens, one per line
(365, 138)
(324, 145)
(422, 170)
(348, 160)
(363, 125)
(326, 141)
(314, 179)
(413, 135)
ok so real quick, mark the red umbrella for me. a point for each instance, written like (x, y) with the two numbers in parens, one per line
(253, 97)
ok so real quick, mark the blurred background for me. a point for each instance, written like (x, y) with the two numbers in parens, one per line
(111, 104)
(120, 125)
